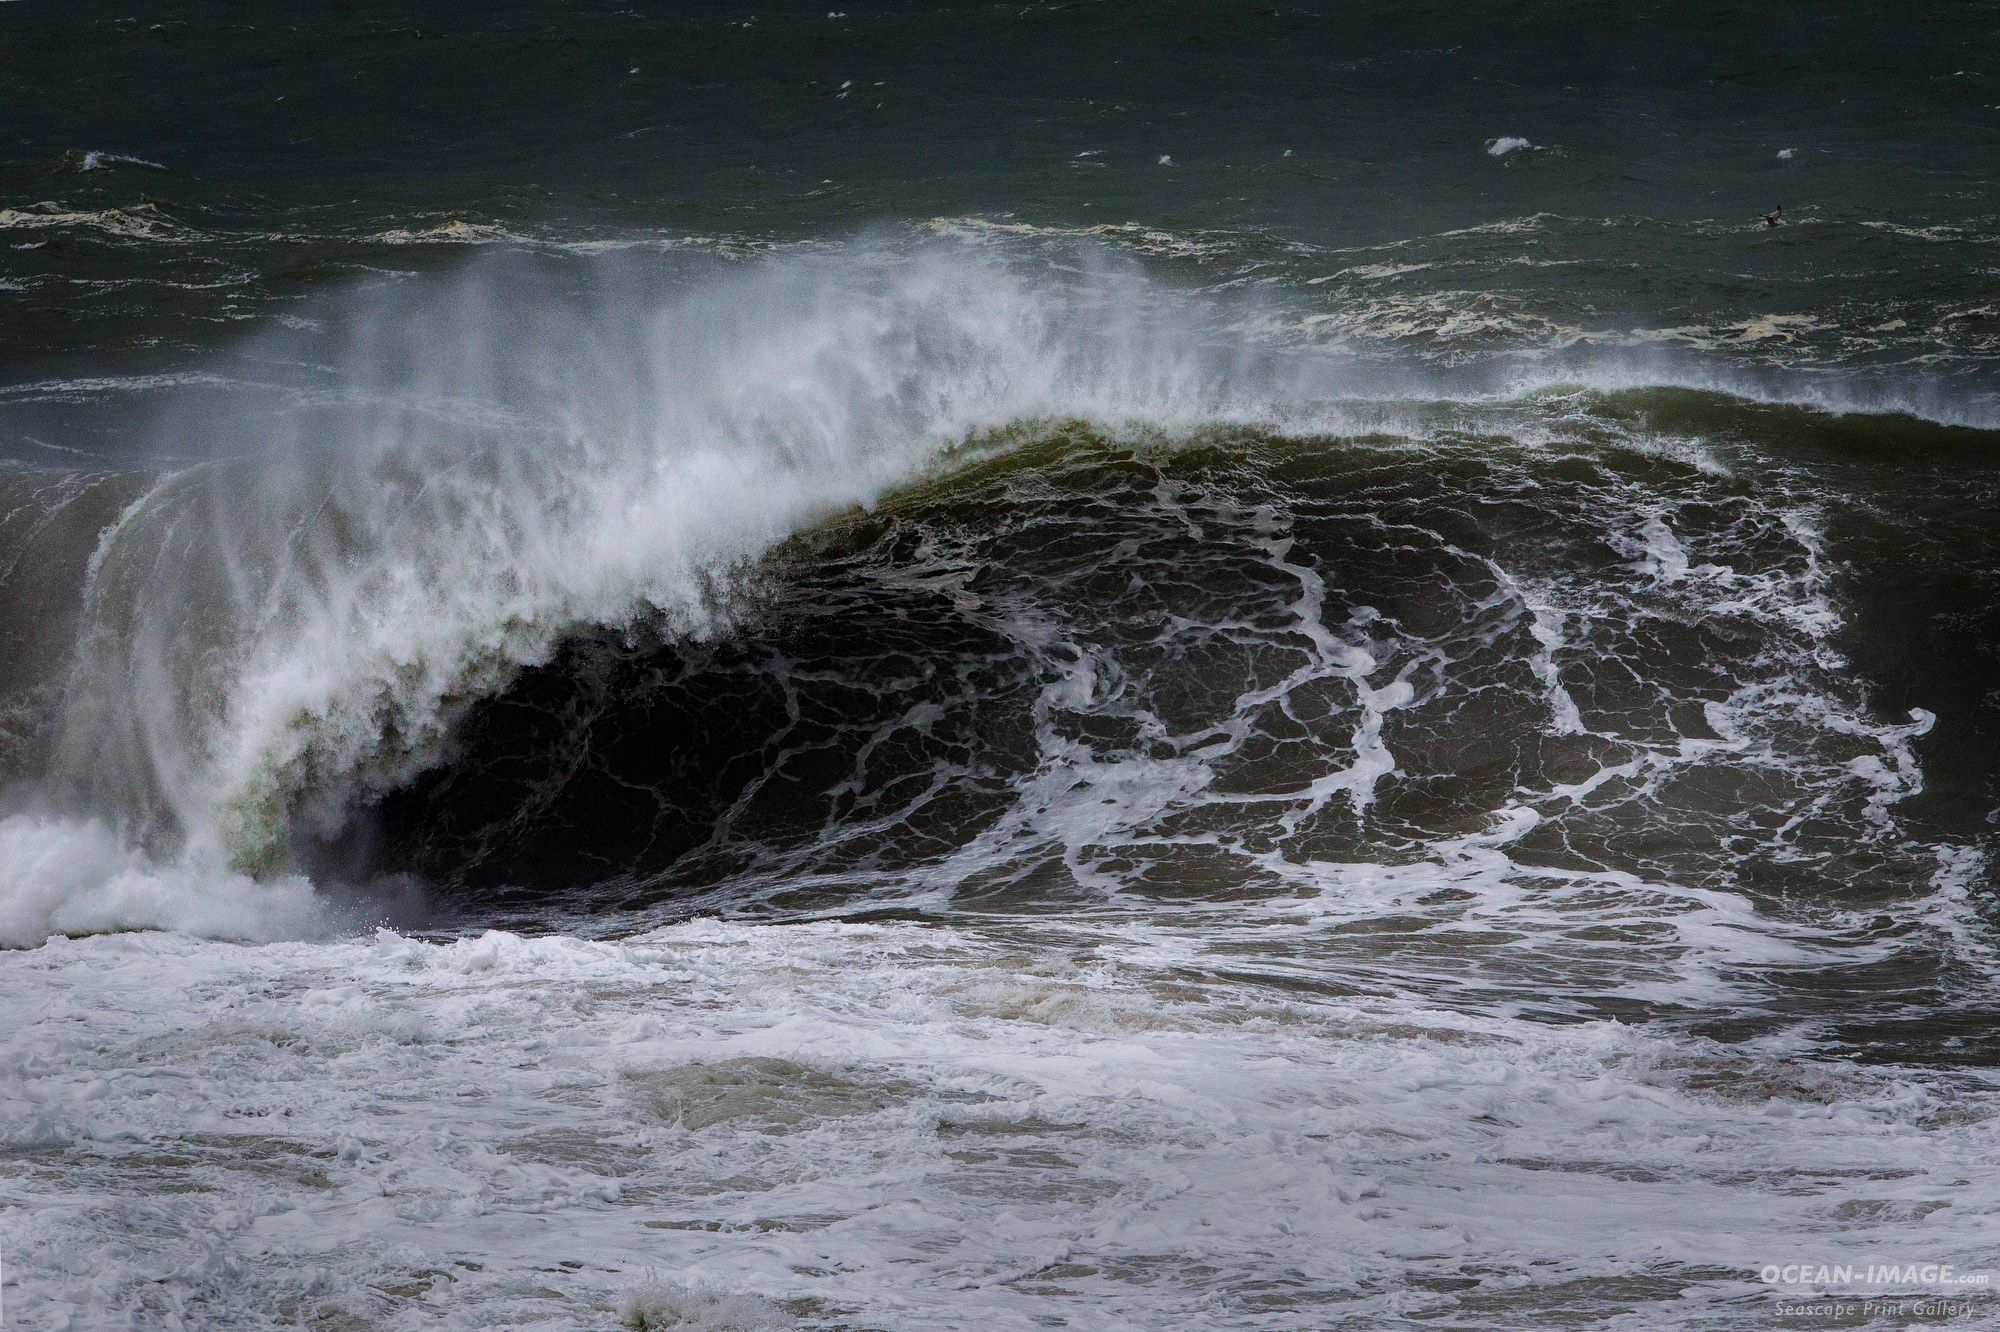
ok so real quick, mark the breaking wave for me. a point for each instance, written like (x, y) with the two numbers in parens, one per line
(448, 484)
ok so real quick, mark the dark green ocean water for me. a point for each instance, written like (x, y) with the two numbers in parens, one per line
(217, 164)
(998, 666)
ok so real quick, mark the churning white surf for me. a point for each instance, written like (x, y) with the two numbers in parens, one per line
(80, 876)
(968, 1126)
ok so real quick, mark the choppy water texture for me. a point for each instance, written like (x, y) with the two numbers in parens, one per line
(996, 667)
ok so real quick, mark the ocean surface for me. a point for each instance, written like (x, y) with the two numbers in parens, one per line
(999, 666)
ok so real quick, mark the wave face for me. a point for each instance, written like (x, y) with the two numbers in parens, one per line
(1456, 677)
(1215, 665)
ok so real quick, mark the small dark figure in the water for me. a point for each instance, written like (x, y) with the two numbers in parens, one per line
(1776, 217)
